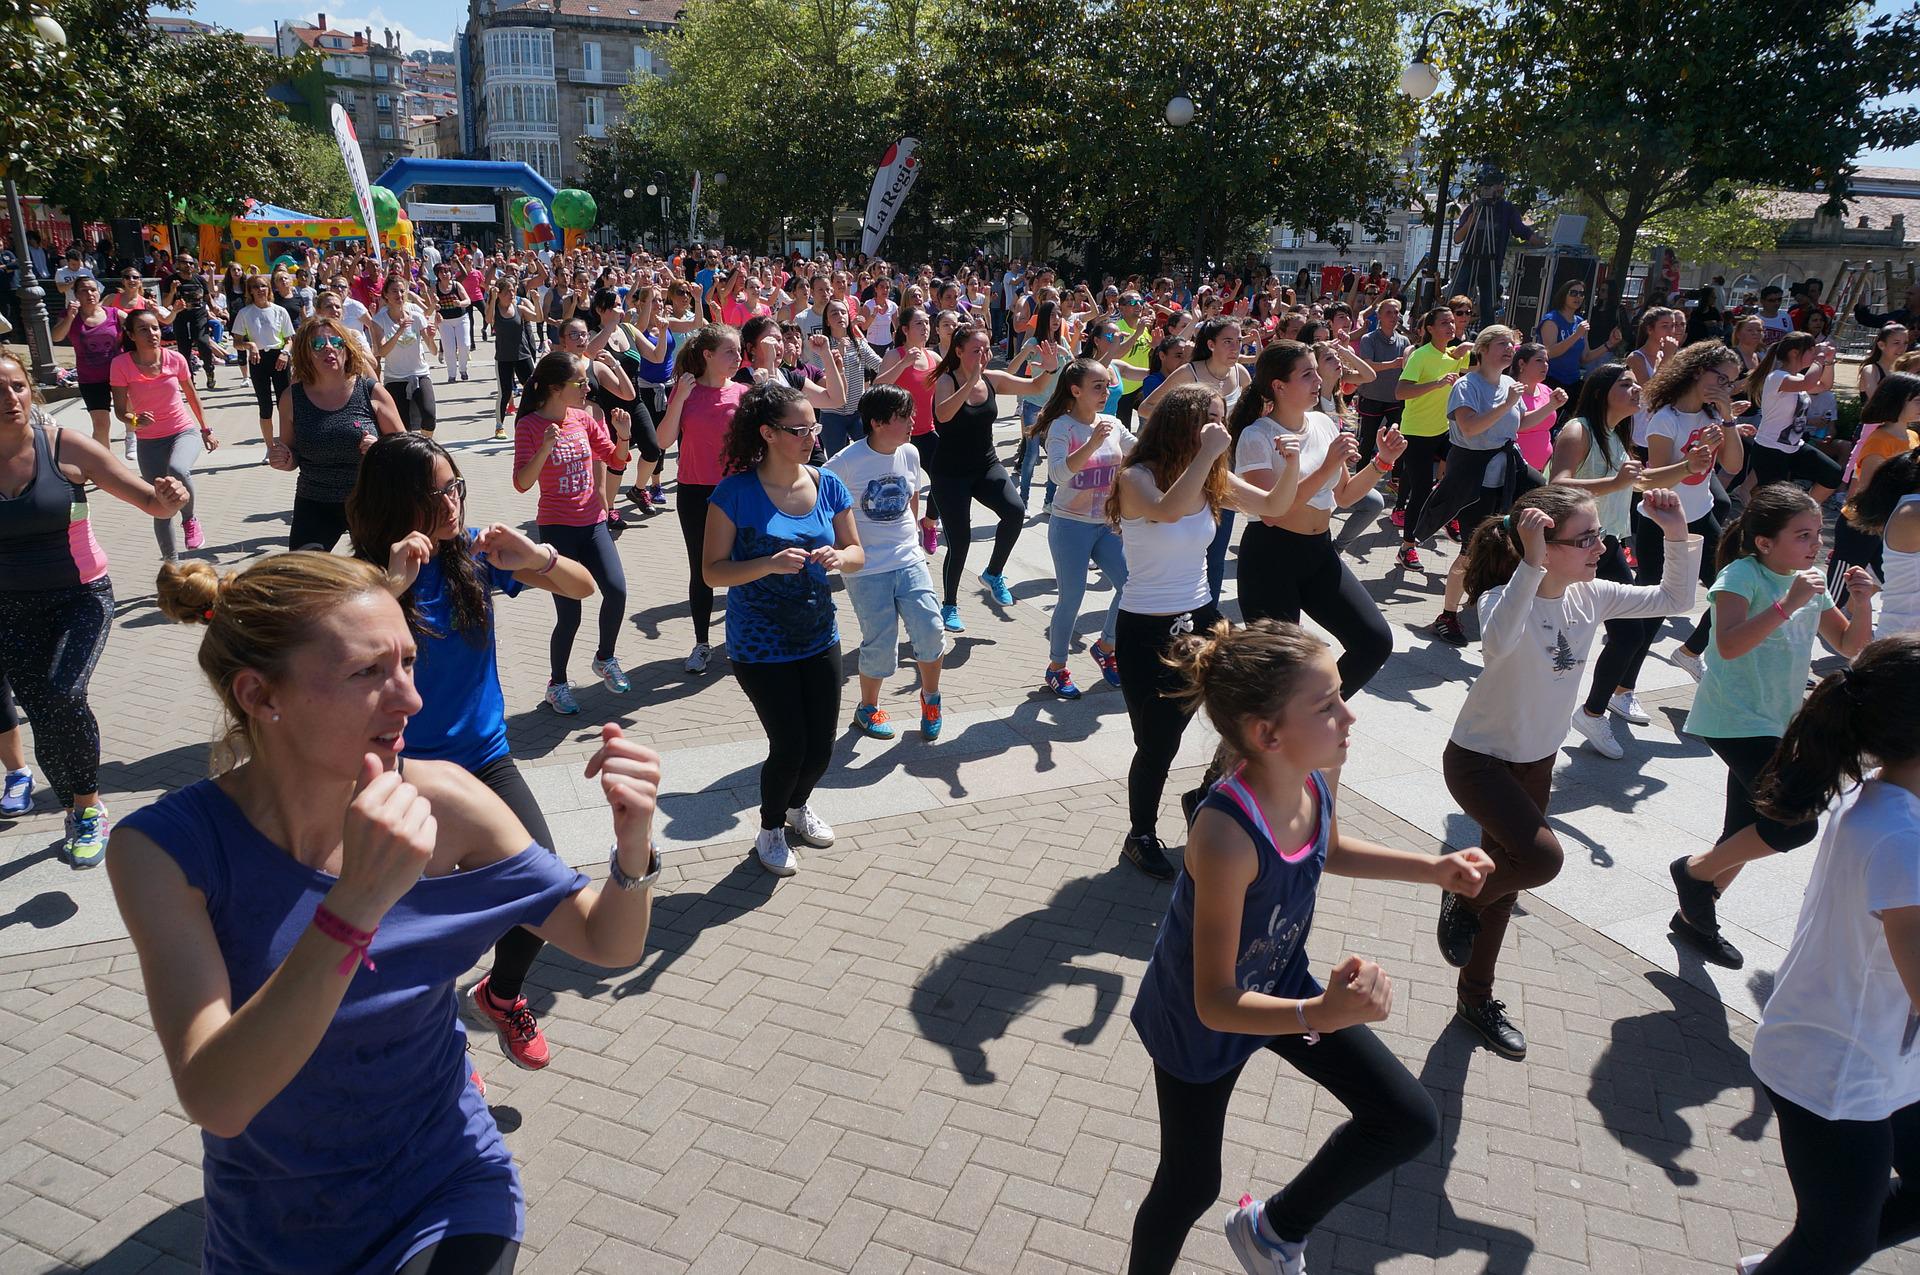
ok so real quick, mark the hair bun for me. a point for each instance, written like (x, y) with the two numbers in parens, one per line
(188, 591)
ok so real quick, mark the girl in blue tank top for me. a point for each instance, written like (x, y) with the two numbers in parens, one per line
(301, 920)
(1229, 975)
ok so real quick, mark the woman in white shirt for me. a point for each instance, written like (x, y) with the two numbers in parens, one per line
(1794, 369)
(1836, 1048)
(405, 334)
(1531, 577)
(262, 331)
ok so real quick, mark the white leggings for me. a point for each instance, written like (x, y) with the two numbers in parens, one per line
(457, 342)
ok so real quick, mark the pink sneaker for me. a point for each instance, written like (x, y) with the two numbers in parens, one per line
(929, 539)
(196, 535)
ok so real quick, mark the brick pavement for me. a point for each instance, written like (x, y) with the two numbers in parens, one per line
(913, 1056)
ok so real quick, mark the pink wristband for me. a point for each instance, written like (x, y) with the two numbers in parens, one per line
(1782, 611)
(358, 941)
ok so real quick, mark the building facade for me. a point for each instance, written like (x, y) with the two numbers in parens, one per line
(539, 76)
(364, 75)
(1400, 248)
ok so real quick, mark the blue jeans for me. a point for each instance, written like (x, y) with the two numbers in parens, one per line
(1217, 555)
(837, 429)
(1075, 545)
(1030, 450)
(883, 598)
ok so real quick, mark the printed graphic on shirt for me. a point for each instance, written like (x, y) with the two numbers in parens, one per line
(1559, 651)
(1266, 958)
(1093, 478)
(887, 498)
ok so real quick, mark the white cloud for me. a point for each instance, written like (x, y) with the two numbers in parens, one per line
(442, 16)
(376, 18)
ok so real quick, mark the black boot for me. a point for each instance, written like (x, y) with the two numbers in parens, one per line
(1144, 851)
(1489, 1018)
(1696, 923)
(1457, 928)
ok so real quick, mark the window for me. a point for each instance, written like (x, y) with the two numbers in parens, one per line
(589, 55)
(382, 101)
(381, 70)
(642, 60)
(386, 132)
(594, 105)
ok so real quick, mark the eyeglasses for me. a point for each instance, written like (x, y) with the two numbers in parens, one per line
(329, 343)
(1586, 541)
(579, 385)
(800, 431)
(456, 489)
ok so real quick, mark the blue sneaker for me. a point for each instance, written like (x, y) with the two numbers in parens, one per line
(86, 843)
(18, 798)
(1109, 664)
(559, 698)
(997, 586)
(930, 715)
(871, 721)
(950, 620)
(1060, 682)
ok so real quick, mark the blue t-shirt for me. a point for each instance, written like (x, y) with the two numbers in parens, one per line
(779, 617)
(380, 1145)
(462, 716)
(1565, 366)
(703, 279)
(1275, 918)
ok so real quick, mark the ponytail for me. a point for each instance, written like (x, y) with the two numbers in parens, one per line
(1495, 552)
(1235, 674)
(1869, 712)
(1767, 513)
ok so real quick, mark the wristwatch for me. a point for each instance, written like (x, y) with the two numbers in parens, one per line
(618, 877)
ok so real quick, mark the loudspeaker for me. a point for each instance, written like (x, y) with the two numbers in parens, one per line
(1537, 277)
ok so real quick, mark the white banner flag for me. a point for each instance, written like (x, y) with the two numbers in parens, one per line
(484, 213)
(357, 171)
(693, 210)
(898, 171)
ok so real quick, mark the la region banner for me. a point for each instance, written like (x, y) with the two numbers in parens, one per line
(356, 170)
(898, 171)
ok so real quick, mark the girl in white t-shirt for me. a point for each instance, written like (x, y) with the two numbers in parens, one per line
(1794, 369)
(1085, 449)
(1838, 1048)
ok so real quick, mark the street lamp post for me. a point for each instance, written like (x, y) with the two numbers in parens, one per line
(1420, 81)
(33, 297)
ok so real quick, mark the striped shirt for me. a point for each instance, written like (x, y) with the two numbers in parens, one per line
(859, 359)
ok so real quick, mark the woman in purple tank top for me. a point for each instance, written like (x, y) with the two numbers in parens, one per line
(1229, 974)
(302, 917)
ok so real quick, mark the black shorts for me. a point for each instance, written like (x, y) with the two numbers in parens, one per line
(97, 395)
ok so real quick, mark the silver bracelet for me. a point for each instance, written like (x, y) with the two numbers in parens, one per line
(1300, 1012)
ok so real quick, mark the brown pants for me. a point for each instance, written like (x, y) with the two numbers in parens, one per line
(1509, 801)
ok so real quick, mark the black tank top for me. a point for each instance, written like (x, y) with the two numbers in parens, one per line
(966, 441)
(512, 341)
(46, 541)
(449, 308)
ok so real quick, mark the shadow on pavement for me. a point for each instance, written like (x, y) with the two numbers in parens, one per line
(1661, 1063)
(177, 1233)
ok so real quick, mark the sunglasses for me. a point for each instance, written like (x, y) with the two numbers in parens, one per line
(456, 489)
(579, 385)
(329, 343)
(1458, 310)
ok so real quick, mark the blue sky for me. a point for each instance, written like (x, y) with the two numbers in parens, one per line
(430, 24)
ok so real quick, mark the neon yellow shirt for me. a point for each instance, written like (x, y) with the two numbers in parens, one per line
(1426, 416)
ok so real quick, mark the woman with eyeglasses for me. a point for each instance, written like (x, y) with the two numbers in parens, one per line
(153, 394)
(407, 516)
(556, 440)
(333, 411)
(1532, 577)
(263, 330)
(776, 527)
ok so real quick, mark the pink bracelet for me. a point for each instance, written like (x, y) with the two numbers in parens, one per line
(358, 941)
(1784, 617)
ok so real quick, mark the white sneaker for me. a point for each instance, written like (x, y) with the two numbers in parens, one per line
(698, 660)
(1627, 705)
(1598, 731)
(1748, 1265)
(775, 855)
(1257, 1256)
(1690, 664)
(808, 828)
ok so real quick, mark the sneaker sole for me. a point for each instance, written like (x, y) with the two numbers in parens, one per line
(1145, 871)
(476, 1018)
(1240, 1240)
(81, 865)
(561, 712)
(1711, 951)
(794, 834)
(782, 873)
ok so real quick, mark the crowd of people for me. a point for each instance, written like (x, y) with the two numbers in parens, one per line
(823, 429)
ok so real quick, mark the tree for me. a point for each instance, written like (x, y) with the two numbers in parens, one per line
(312, 177)
(53, 113)
(1731, 226)
(1645, 110)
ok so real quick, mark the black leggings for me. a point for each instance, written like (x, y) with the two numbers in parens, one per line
(1158, 722)
(413, 397)
(1284, 574)
(798, 702)
(952, 496)
(317, 524)
(464, 1255)
(1393, 1121)
(1745, 759)
(591, 547)
(1852, 547)
(520, 370)
(1620, 659)
(194, 334)
(513, 955)
(50, 640)
(1416, 478)
(1849, 1188)
(1805, 463)
(1613, 566)
(1374, 417)
(270, 377)
(692, 509)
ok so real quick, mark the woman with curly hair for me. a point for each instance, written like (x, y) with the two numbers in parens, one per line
(776, 526)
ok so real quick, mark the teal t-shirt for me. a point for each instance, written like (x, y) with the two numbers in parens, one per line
(1758, 693)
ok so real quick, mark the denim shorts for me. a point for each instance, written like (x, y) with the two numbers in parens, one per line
(880, 600)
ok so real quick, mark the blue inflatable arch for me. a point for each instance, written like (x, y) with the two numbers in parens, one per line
(465, 172)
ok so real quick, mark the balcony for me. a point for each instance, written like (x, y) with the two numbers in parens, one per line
(595, 130)
(598, 75)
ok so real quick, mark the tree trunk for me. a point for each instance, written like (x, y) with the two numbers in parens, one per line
(1630, 219)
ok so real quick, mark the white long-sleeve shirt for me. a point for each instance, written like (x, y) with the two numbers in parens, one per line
(1535, 651)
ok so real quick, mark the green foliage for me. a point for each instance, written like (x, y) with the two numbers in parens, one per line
(52, 114)
(312, 178)
(1647, 110)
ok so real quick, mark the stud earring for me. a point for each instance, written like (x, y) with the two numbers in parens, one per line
(276, 717)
